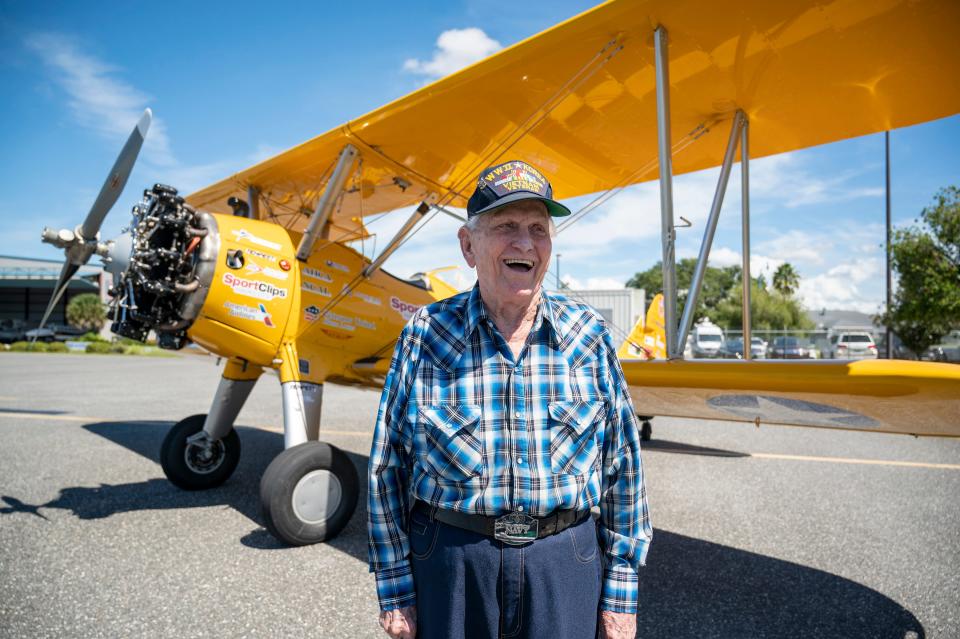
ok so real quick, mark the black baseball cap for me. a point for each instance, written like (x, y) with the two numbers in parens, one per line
(511, 182)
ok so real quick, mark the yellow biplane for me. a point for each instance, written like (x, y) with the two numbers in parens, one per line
(258, 268)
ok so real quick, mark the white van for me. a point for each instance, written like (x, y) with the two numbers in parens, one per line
(707, 339)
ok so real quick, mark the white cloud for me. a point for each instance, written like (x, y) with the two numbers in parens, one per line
(590, 283)
(798, 247)
(98, 99)
(101, 102)
(842, 286)
(724, 256)
(456, 48)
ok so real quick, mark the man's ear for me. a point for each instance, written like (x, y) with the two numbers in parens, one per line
(466, 247)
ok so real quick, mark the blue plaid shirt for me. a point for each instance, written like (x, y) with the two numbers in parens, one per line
(464, 425)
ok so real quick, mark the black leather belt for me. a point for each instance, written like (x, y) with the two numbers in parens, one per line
(559, 521)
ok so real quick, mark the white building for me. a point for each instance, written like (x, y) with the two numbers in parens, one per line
(620, 307)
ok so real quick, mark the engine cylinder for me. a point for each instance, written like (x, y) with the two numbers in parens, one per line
(172, 260)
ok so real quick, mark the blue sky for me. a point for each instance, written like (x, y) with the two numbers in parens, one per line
(233, 83)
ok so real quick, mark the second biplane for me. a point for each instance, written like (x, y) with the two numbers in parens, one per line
(257, 267)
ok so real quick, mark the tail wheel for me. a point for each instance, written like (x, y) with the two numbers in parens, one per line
(192, 461)
(308, 493)
(646, 429)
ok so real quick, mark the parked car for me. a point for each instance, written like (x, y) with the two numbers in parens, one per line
(11, 330)
(791, 348)
(733, 348)
(54, 333)
(943, 353)
(852, 346)
(707, 339)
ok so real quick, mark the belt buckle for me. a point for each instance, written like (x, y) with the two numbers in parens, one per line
(516, 528)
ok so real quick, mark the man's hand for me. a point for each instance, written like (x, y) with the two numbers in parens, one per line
(617, 625)
(400, 623)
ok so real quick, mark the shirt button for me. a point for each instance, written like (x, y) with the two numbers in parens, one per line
(519, 460)
(518, 414)
(519, 509)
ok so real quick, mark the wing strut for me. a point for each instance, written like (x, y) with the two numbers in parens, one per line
(739, 129)
(668, 236)
(398, 238)
(745, 221)
(696, 283)
(326, 201)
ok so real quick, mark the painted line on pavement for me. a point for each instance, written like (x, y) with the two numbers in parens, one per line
(43, 416)
(851, 460)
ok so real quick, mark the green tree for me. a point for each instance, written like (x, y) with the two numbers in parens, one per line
(926, 257)
(786, 280)
(86, 312)
(717, 283)
(768, 311)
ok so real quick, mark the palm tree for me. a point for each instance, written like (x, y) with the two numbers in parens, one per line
(786, 280)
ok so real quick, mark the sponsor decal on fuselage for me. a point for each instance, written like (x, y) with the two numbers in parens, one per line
(243, 234)
(406, 309)
(311, 313)
(256, 314)
(266, 270)
(362, 323)
(337, 266)
(316, 289)
(336, 320)
(369, 299)
(253, 288)
(260, 254)
(316, 274)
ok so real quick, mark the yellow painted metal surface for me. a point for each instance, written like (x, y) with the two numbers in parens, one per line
(578, 100)
(271, 310)
(894, 396)
(254, 299)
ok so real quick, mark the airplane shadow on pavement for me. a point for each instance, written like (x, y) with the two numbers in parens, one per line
(689, 588)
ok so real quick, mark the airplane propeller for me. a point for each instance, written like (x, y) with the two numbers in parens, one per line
(80, 244)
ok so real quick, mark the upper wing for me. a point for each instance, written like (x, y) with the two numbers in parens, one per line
(578, 101)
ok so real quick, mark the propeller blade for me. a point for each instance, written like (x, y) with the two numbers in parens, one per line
(117, 178)
(65, 274)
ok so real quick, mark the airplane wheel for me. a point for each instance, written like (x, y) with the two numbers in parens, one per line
(646, 431)
(308, 493)
(198, 465)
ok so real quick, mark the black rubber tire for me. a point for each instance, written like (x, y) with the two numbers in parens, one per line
(281, 478)
(173, 453)
(646, 431)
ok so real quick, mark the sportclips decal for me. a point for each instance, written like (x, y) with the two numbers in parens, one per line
(243, 234)
(406, 309)
(253, 288)
(258, 314)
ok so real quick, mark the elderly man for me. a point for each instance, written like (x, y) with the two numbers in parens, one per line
(504, 419)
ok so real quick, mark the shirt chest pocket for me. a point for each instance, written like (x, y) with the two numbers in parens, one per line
(573, 442)
(454, 450)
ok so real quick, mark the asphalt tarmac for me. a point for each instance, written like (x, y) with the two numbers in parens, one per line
(769, 532)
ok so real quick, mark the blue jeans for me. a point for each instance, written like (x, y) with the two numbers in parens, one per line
(470, 586)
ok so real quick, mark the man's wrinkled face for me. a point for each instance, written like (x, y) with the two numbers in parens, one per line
(510, 248)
